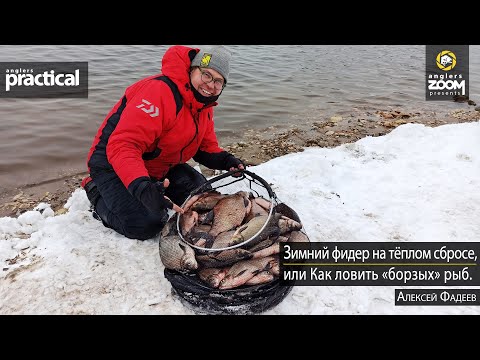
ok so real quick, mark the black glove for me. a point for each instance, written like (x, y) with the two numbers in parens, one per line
(152, 195)
(232, 161)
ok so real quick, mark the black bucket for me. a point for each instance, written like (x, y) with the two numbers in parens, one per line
(244, 300)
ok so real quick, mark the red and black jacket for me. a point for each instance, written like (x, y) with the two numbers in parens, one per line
(157, 124)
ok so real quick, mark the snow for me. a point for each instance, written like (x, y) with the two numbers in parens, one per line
(415, 184)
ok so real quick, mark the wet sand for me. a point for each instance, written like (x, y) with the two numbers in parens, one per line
(256, 147)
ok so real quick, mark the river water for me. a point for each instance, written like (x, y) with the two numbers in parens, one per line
(41, 139)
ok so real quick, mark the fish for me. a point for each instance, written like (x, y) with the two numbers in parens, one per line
(170, 227)
(223, 258)
(244, 270)
(282, 238)
(262, 277)
(176, 254)
(268, 251)
(274, 266)
(286, 224)
(264, 203)
(207, 202)
(229, 213)
(247, 196)
(223, 240)
(298, 236)
(206, 218)
(201, 228)
(248, 230)
(191, 201)
(263, 244)
(287, 211)
(256, 210)
(187, 221)
(200, 239)
(212, 276)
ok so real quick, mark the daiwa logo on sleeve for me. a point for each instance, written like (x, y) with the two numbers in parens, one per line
(44, 79)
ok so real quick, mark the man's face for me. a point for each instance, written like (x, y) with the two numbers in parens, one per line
(207, 82)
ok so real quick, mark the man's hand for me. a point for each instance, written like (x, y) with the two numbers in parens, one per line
(239, 167)
(152, 195)
(163, 186)
(233, 163)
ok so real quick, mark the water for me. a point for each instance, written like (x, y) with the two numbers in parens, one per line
(280, 85)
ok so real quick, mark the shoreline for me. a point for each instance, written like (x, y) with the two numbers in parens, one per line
(255, 147)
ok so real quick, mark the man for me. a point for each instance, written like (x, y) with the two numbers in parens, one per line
(137, 161)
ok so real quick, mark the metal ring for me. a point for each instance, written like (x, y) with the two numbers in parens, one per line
(220, 177)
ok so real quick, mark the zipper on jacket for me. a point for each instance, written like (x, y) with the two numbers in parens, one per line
(195, 121)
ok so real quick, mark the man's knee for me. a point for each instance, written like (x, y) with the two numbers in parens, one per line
(185, 174)
(91, 189)
(145, 227)
(183, 180)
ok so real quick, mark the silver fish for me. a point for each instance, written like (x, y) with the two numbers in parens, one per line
(170, 227)
(223, 240)
(207, 202)
(275, 266)
(268, 251)
(298, 236)
(244, 270)
(263, 244)
(187, 221)
(264, 203)
(248, 230)
(256, 210)
(177, 255)
(286, 224)
(262, 277)
(223, 258)
(283, 238)
(191, 201)
(212, 276)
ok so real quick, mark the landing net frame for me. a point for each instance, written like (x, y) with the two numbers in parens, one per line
(244, 179)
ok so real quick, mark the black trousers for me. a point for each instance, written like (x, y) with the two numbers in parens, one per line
(122, 212)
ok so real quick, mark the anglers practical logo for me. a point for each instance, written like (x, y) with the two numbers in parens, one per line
(447, 72)
(43, 79)
(205, 60)
(152, 110)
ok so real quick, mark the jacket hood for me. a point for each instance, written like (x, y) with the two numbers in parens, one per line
(176, 65)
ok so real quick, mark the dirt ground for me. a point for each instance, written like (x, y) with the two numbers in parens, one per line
(256, 147)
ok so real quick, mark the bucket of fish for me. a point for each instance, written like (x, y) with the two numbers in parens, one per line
(221, 255)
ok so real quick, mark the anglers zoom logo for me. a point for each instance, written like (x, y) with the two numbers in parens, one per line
(447, 72)
(43, 80)
(446, 60)
(151, 109)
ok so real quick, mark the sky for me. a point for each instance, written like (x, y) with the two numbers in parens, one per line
(415, 184)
